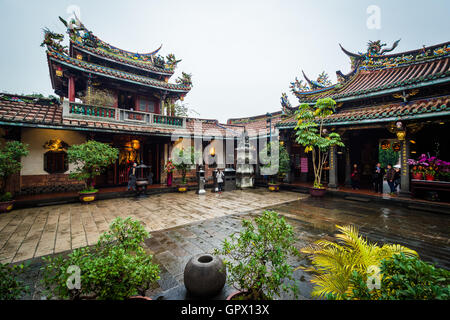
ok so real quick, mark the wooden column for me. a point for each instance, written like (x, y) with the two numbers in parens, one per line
(333, 177)
(71, 90)
(348, 167)
(404, 177)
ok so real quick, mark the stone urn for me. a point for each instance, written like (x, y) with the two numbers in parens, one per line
(204, 275)
(6, 206)
(317, 192)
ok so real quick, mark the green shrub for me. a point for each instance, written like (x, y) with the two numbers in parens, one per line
(10, 164)
(257, 257)
(10, 287)
(117, 267)
(404, 278)
(7, 196)
(90, 159)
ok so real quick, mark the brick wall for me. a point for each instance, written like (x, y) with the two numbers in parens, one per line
(46, 183)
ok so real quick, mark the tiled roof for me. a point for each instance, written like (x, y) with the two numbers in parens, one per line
(371, 81)
(434, 107)
(34, 112)
(90, 67)
(257, 124)
(120, 58)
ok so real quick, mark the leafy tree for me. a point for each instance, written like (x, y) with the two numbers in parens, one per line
(117, 267)
(333, 263)
(90, 158)
(11, 287)
(184, 160)
(403, 278)
(388, 156)
(282, 166)
(10, 155)
(310, 133)
(256, 259)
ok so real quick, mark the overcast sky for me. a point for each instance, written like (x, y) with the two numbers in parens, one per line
(242, 54)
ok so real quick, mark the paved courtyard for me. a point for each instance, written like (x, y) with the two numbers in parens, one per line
(35, 232)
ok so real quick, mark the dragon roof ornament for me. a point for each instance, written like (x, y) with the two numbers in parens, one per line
(82, 36)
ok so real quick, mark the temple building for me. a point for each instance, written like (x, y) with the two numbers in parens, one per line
(392, 105)
(106, 94)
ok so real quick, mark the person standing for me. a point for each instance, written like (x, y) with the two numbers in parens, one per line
(355, 177)
(378, 178)
(220, 177)
(390, 177)
(397, 178)
(132, 178)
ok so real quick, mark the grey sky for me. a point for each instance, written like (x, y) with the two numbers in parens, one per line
(242, 54)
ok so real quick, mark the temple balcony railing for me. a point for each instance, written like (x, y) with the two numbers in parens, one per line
(81, 111)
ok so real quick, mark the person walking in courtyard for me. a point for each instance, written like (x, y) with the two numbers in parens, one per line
(220, 177)
(132, 178)
(390, 177)
(355, 177)
(396, 178)
(378, 178)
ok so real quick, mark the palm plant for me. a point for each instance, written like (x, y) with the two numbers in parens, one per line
(333, 263)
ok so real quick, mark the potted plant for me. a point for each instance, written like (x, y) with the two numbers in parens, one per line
(332, 263)
(276, 167)
(169, 167)
(183, 162)
(90, 158)
(256, 259)
(117, 267)
(10, 164)
(311, 134)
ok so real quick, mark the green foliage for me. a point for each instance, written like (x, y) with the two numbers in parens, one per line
(7, 196)
(282, 165)
(10, 155)
(404, 278)
(388, 156)
(334, 262)
(256, 258)
(10, 287)
(90, 158)
(184, 160)
(309, 133)
(117, 267)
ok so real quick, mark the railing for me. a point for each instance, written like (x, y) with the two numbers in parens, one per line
(97, 113)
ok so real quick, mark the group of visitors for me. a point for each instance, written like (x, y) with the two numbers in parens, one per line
(391, 174)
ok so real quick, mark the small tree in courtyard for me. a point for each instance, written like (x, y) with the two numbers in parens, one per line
(184, 160)
(280, 167)
(90, 158)
(311, 134)
(10, 164)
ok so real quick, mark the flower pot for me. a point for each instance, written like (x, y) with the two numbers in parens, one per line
(139, 298)
(317, 192)
(87, 197)
(429, 177)
(6, 206)
(274, 186)
(204, 275)
(169, 179)
(417, 176)
(182, 187)
(235, 295)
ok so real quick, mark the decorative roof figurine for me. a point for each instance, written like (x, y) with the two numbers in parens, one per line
(285, 104)
(298, 86)
(185, 79)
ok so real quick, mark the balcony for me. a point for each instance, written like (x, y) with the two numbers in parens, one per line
(80, 111)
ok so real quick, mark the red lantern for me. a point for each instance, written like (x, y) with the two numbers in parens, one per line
(396, 146)
(385, 144)
(59, 72)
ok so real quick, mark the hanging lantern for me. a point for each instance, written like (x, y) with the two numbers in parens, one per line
(59, 72)
(396, 146)
(182, 98)
(79, 56)
(385, 144)
(135, 144)
(401, 135)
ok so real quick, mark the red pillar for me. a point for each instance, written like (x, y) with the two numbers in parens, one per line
(71, 89)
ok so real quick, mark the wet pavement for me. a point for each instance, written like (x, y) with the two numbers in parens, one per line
(312, 219)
